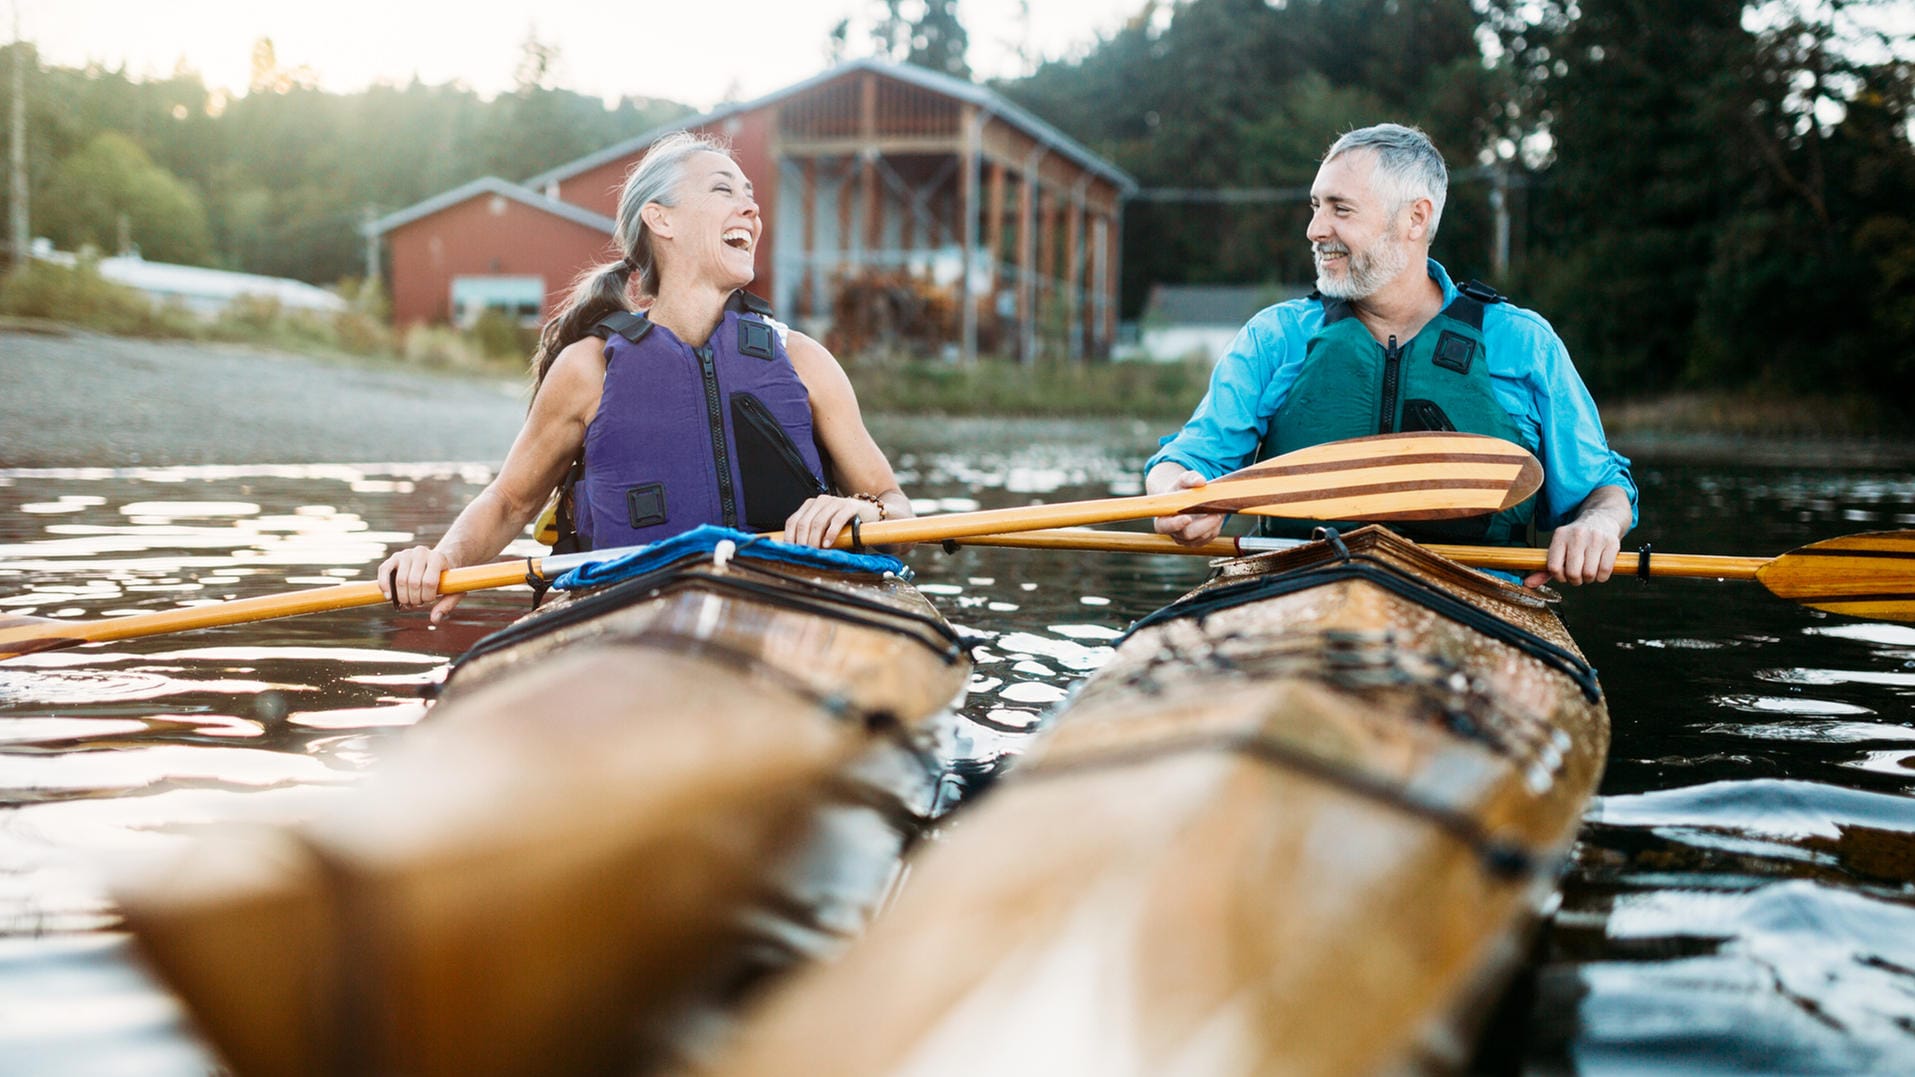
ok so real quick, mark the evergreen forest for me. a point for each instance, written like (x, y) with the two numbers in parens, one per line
(1699, 194)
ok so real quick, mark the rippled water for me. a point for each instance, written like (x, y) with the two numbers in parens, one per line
(1743, 898)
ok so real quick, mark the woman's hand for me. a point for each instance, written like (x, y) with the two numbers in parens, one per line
(819, 521)
(413, 575)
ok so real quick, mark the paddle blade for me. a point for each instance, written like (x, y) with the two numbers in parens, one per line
(1870, 575)
(20, 635)
(1421, 476)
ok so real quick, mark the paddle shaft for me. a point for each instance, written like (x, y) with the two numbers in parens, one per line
(1503, 558)
(1870, 575)
(955, 526)
(50, 634)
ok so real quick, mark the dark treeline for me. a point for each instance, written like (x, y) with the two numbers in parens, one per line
(1237, 94)
(1695, 203)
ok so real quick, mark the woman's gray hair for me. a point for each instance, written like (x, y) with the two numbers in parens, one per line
(655, 179)
(1406, 160)
(601, 290)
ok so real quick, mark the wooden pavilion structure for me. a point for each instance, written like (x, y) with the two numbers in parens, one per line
(872, 175)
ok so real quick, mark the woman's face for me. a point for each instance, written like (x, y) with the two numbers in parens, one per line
(711, 235)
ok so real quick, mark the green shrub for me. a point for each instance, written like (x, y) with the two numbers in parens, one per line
(444, 348)
(440, 347)
(1049, 388)
(498, 335)
(361, 333)
(259, 319)
(80, 296)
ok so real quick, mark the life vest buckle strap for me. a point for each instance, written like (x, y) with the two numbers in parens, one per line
(743, 302)
(626, 323)
(1480, 292)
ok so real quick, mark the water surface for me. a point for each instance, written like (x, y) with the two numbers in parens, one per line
(1742, 899)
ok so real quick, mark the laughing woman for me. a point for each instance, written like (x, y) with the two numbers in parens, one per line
(699, 410)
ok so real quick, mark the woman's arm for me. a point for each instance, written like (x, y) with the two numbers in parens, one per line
(545, 447)
(860, 465)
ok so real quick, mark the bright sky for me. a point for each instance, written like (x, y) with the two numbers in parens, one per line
(700, 52)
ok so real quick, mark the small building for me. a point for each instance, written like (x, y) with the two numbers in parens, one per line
(871, 175)
(488, 244)
(202, 291)
(1183, 322)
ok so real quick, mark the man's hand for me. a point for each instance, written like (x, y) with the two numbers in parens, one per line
(1189, 528)
(1584, 549)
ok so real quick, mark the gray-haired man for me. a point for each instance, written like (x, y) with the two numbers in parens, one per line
(1389, 343)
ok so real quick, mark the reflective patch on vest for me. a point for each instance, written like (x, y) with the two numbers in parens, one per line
(754, 339)
(646, 504)
(1454, 351)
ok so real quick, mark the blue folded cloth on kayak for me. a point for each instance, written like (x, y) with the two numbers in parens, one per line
(705, 539)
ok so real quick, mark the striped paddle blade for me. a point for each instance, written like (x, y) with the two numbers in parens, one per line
(1870, 575)
(1383, 477)
(1421, 476)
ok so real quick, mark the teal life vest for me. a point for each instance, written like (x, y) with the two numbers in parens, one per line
(1351, 386)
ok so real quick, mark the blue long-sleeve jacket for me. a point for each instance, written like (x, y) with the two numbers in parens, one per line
(1530, 373)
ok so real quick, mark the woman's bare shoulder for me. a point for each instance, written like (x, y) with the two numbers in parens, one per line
(809, 356)
(576, 377)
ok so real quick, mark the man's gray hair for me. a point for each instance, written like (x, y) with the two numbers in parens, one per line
(1406, 162)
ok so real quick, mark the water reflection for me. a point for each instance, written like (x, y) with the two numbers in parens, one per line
(1741, 899)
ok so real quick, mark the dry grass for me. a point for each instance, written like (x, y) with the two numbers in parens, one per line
(1757, 414)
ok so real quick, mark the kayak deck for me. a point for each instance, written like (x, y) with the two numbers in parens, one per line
(1298, 824)
(570, 842)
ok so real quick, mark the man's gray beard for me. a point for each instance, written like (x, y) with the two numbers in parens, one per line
(1368, 272)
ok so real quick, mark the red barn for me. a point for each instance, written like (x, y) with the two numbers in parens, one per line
(867, 173)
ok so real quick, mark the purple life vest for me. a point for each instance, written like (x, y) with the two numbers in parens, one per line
(717, 434)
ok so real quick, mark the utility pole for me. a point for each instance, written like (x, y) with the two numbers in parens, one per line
(19, 232)
(1499, 206)
(367, 216)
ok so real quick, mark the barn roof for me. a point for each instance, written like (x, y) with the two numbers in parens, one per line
(991, 103)
(491, 185)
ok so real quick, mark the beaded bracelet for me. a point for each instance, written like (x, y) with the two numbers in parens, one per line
(874, 499)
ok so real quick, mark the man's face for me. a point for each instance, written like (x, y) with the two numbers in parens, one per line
(1356, 233)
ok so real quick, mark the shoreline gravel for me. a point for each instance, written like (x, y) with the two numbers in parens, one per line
(79, 399)
(72, 398)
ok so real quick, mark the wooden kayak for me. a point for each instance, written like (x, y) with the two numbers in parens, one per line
(573, 841)
(1301, 823)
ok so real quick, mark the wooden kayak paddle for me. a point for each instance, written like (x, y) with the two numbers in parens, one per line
(1386, 477)
(1421, 476)
(1870, 574)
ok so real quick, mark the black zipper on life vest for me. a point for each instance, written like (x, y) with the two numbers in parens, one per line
(715, 417)
(1392, 368)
